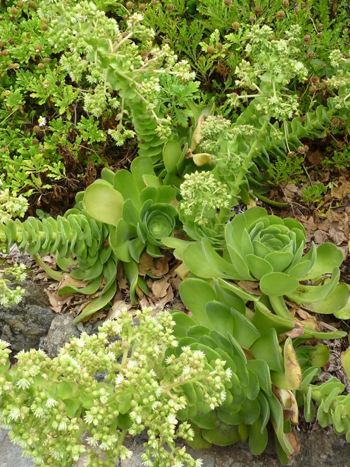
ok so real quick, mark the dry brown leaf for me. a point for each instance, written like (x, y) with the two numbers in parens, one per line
(117, 307)
(159, 288)
(337, 236)
(122, 282)
(342, 189)
(292, 438)
(250, 286)
(153, 267)
(68, 280)
(145, 302)
(169, 297)
(175, 282)
(306, 319)
(55, 302)
(320, 236)
(291, 365)
(290, 190)
(297, 331)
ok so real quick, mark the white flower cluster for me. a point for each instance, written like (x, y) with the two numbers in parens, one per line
(340, 81)
(212, 129)
(202, 196)
(11, 205)
(268, 68)
(126, 379)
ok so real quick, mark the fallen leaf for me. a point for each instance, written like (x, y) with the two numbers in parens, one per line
(55, 302)
(320, 236)
(169, 297)
(250, 286)
(159, 288)
(342, 189)
(117, 307)
(297, 331)
(153, 267)
(68, 280)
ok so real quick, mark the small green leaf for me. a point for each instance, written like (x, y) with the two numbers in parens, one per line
(257, 438)
(259, 267)
(108, 175)
(205, 421)
(221, 436)
(334, 302)
(263, 319)
(203, 261)
(183, 323)
(262, 371)
(72, 406)
(172, 155)
(280, 260)
(306, 294)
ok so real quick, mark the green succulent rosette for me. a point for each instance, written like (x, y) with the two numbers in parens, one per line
(136, 207)
(157, 220)
(271, 250)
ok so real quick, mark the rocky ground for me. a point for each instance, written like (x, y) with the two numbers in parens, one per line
(318, 449)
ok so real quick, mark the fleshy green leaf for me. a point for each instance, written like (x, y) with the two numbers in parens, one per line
(267, 348)
(203, 261)
(334, 302)
(258, 266)
(172, 154)
(263, 319)
(195, 294)
(221, 436)
(328, 257)
(278, 283)
(103, 202)
(305, 294)
(257, 438)
(345, 361)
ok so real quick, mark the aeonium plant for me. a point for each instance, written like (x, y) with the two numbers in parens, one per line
(270, 250)
(140, 209)
(115, 220)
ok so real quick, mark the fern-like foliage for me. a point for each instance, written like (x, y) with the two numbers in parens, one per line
(312, 125)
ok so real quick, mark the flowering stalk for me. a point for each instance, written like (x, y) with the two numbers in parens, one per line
(127, 379)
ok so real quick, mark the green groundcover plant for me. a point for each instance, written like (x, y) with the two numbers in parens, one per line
(211, 33)
(78, 80)
(60, 109)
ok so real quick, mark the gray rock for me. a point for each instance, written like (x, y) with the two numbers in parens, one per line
(10, 455)
(62, 329)
(319, 448)
(23, 325)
